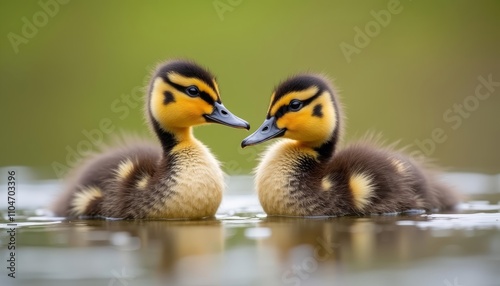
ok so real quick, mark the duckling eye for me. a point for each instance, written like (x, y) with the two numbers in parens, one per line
(192, 91)
(295, 105)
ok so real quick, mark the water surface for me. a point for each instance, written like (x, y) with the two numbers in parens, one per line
(242, 246)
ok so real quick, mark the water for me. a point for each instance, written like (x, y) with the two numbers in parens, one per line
(242, 246)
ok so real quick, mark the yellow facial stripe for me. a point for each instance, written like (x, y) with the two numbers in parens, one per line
(157, 98)
(271, 106)
(362, 189)
(216, 86)
(187, 81)
(285, 100)
(82, 200)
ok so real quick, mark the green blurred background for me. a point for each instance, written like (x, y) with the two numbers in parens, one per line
(71, 69)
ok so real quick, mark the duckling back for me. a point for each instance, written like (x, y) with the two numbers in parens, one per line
(381, 180)
(99, 174)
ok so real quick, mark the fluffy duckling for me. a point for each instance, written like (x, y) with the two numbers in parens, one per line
(304, 175)
(179, 178)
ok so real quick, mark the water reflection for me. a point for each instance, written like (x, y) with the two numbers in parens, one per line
(163, 249)
(289, 251)
(242, 246)
(341, 245)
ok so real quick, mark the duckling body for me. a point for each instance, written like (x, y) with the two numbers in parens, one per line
(305, 175)
(178, 178)
(360, 179)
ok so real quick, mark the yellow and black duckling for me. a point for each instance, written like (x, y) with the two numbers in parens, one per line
(179, 178)
(305, 175)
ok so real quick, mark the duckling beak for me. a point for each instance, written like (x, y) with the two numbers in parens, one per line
(222, 116)
(268, 130)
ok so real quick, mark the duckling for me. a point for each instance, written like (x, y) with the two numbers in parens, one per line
(178, 178)
(304, 174)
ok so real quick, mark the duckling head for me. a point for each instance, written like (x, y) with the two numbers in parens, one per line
(303, 108)
(183, 94)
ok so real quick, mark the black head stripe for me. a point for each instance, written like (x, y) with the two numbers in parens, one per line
(312, 98)
(203, 95)
(206, 97)
(284, 108)
(187, 69)
(298, 83)
(281, 111)
(174, 85)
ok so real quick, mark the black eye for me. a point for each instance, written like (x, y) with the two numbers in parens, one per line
(192, 91)
(295, 105)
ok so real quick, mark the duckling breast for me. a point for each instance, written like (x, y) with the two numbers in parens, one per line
(283, 181)
(197, 184)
